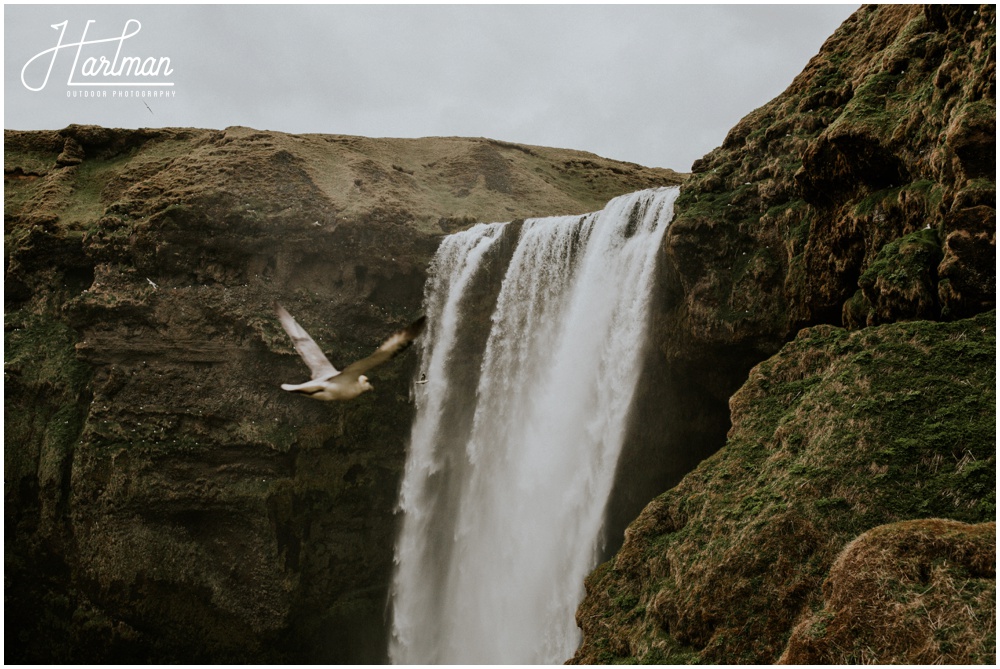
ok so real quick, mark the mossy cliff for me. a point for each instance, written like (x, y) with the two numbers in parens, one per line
(888, 132)
(164, 500)
(838, 433)
(847, 228)
(863, 194)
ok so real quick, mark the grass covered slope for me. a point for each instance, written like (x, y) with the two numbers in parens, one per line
(426, 183)
(839, 433)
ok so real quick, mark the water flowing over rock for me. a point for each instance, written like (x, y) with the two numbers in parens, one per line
(503, 513)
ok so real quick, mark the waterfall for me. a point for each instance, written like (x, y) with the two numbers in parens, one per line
(510, 466)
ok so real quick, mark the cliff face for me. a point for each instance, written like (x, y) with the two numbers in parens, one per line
(861, 198)
(864, 194)
(165, 501)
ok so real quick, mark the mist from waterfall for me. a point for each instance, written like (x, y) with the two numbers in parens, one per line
(514, 447)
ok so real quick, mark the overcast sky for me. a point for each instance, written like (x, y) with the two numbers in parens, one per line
(658, 85)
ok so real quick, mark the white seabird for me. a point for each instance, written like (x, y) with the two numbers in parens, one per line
(329, 384)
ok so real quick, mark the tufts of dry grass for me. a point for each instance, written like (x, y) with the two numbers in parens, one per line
(914, 592)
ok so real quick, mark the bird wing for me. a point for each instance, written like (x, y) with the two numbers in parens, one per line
(390, 348)
(320, 367)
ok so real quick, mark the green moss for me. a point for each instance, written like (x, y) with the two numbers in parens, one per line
(911, 258)
(935, 425)
(45, 405)
(857, 310)
(978, 191)
(867, 206)
(703, 203)
(86, 205)
(42, 351)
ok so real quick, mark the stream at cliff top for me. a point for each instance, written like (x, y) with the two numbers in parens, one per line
(514, 446)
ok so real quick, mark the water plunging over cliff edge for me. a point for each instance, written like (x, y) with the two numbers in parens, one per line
(514, 446)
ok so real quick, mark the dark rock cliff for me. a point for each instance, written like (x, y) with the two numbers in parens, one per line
(164, 500)
(861, 198)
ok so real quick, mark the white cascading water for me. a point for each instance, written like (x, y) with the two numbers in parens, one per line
(502, 518)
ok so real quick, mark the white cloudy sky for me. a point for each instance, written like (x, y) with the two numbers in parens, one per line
(658, 85)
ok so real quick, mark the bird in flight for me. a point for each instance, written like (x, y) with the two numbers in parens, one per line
(329, 384)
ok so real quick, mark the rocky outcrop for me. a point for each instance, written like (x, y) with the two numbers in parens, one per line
(165, 501)
(862, 197)
(838, 433)
(864, 194)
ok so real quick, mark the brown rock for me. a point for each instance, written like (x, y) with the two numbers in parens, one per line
(72, 153)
